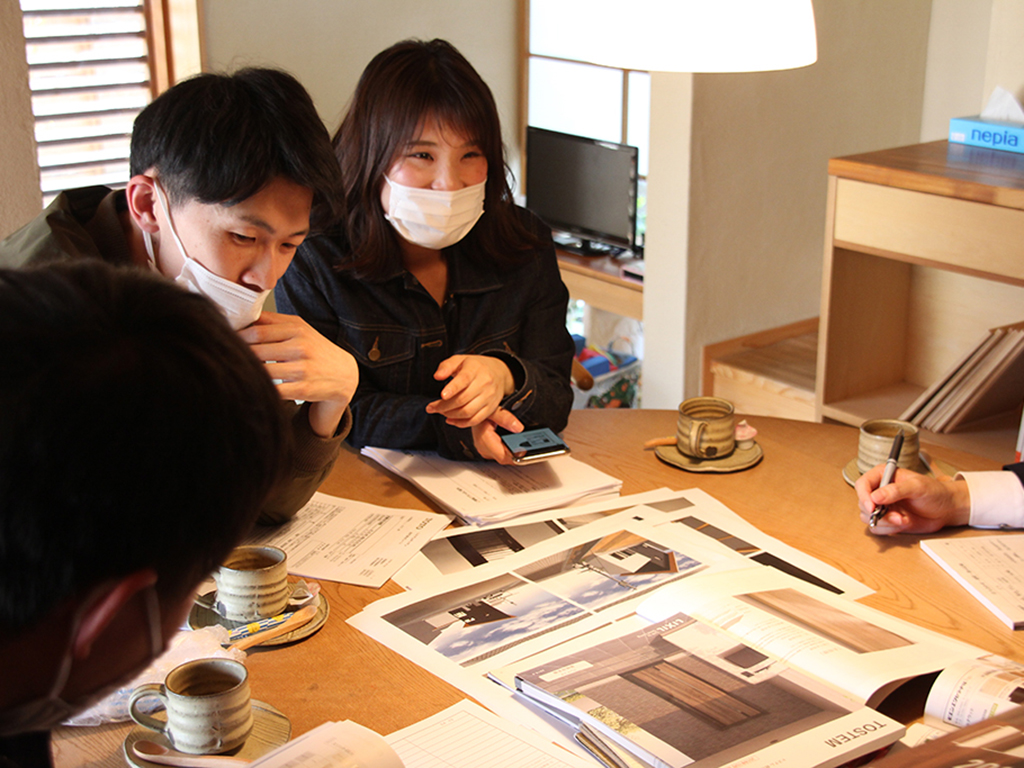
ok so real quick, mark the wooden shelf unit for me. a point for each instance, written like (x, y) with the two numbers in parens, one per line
(924, 253)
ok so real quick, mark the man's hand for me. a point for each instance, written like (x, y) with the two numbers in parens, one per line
(308, 366)
(916, 503)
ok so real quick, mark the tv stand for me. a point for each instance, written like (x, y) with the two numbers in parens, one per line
(599, 282)
(582, 246)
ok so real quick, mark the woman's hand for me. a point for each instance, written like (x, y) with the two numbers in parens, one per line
(488, 442)
(308, 366)
(478, 385)
(916, 503)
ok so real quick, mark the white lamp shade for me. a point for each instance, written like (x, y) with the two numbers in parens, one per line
(677, 35)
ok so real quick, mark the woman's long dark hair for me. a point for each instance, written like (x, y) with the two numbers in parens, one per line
(410, 82)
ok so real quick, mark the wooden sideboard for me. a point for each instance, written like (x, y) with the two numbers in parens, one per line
(924, 253)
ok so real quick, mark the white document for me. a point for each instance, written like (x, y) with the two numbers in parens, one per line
(468, 736)
(484, 492)
(989, 567)
(333, 745)
(350, 541)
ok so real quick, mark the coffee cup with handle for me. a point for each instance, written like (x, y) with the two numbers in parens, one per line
(705, 428)
(208, 706)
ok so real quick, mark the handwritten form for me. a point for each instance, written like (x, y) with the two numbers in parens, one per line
(468, 736)
(350, 541)
(989, 567)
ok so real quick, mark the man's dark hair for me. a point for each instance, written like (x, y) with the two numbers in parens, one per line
(221, 138)
(137, 430)
(403, 86)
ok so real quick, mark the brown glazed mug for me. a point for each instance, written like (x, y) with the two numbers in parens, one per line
(706, 428)
(875, 442)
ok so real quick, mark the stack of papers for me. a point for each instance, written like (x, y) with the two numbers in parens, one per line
(485, 492)
(989, 567)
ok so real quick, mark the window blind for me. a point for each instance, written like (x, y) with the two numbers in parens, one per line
(89, 75)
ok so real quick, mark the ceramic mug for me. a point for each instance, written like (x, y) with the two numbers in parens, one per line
(252, 584)
(706, 428)
(875, 442)
(209, 709)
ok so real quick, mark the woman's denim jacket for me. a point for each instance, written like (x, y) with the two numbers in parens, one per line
(399, 335)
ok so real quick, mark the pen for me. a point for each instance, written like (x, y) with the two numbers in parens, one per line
(890, 470)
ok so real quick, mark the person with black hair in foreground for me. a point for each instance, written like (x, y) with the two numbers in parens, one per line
(229, 173)
(112, 511)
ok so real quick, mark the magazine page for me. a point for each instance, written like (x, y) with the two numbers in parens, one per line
(713, 519)
(468, 546)
(682, 692)
(865, 652)
(971, 690)
(461, 549)
(462, 626)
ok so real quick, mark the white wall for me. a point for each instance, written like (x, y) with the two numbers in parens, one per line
(758, 157)
(327, 43)
(20, 198)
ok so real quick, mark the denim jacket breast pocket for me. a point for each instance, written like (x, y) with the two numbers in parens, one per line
(505, 341)
(384, 352)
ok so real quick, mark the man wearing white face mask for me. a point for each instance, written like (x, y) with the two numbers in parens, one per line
(229, 175)
(108, 524)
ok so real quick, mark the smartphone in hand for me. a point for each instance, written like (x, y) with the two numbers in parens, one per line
(532, 445)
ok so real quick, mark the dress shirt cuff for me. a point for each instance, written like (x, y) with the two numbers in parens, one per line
(997, 499)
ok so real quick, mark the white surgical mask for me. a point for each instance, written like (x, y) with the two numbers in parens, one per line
(49, 711)
(434, 218)
(242, 306)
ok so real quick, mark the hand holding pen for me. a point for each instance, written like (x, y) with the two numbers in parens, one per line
(890, 469)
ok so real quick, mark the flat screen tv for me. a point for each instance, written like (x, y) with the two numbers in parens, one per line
(583, 187)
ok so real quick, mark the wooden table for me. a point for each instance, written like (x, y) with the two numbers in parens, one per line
(797, 494)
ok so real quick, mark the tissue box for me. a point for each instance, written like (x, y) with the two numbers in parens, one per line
(992, 134)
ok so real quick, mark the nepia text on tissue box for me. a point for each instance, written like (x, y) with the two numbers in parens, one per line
(993, 134)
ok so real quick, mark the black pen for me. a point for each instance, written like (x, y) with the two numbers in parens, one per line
(890, 469)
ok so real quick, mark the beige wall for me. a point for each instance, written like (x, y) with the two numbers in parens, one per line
(20, 198)
(757, 168)
(327, 43)
(738, 162)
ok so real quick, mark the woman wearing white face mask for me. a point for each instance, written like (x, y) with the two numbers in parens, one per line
(446, 293)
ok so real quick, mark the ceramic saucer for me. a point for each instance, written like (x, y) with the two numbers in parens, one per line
(201, 616)
(851, 473)
(270, 729)
(738, 460)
